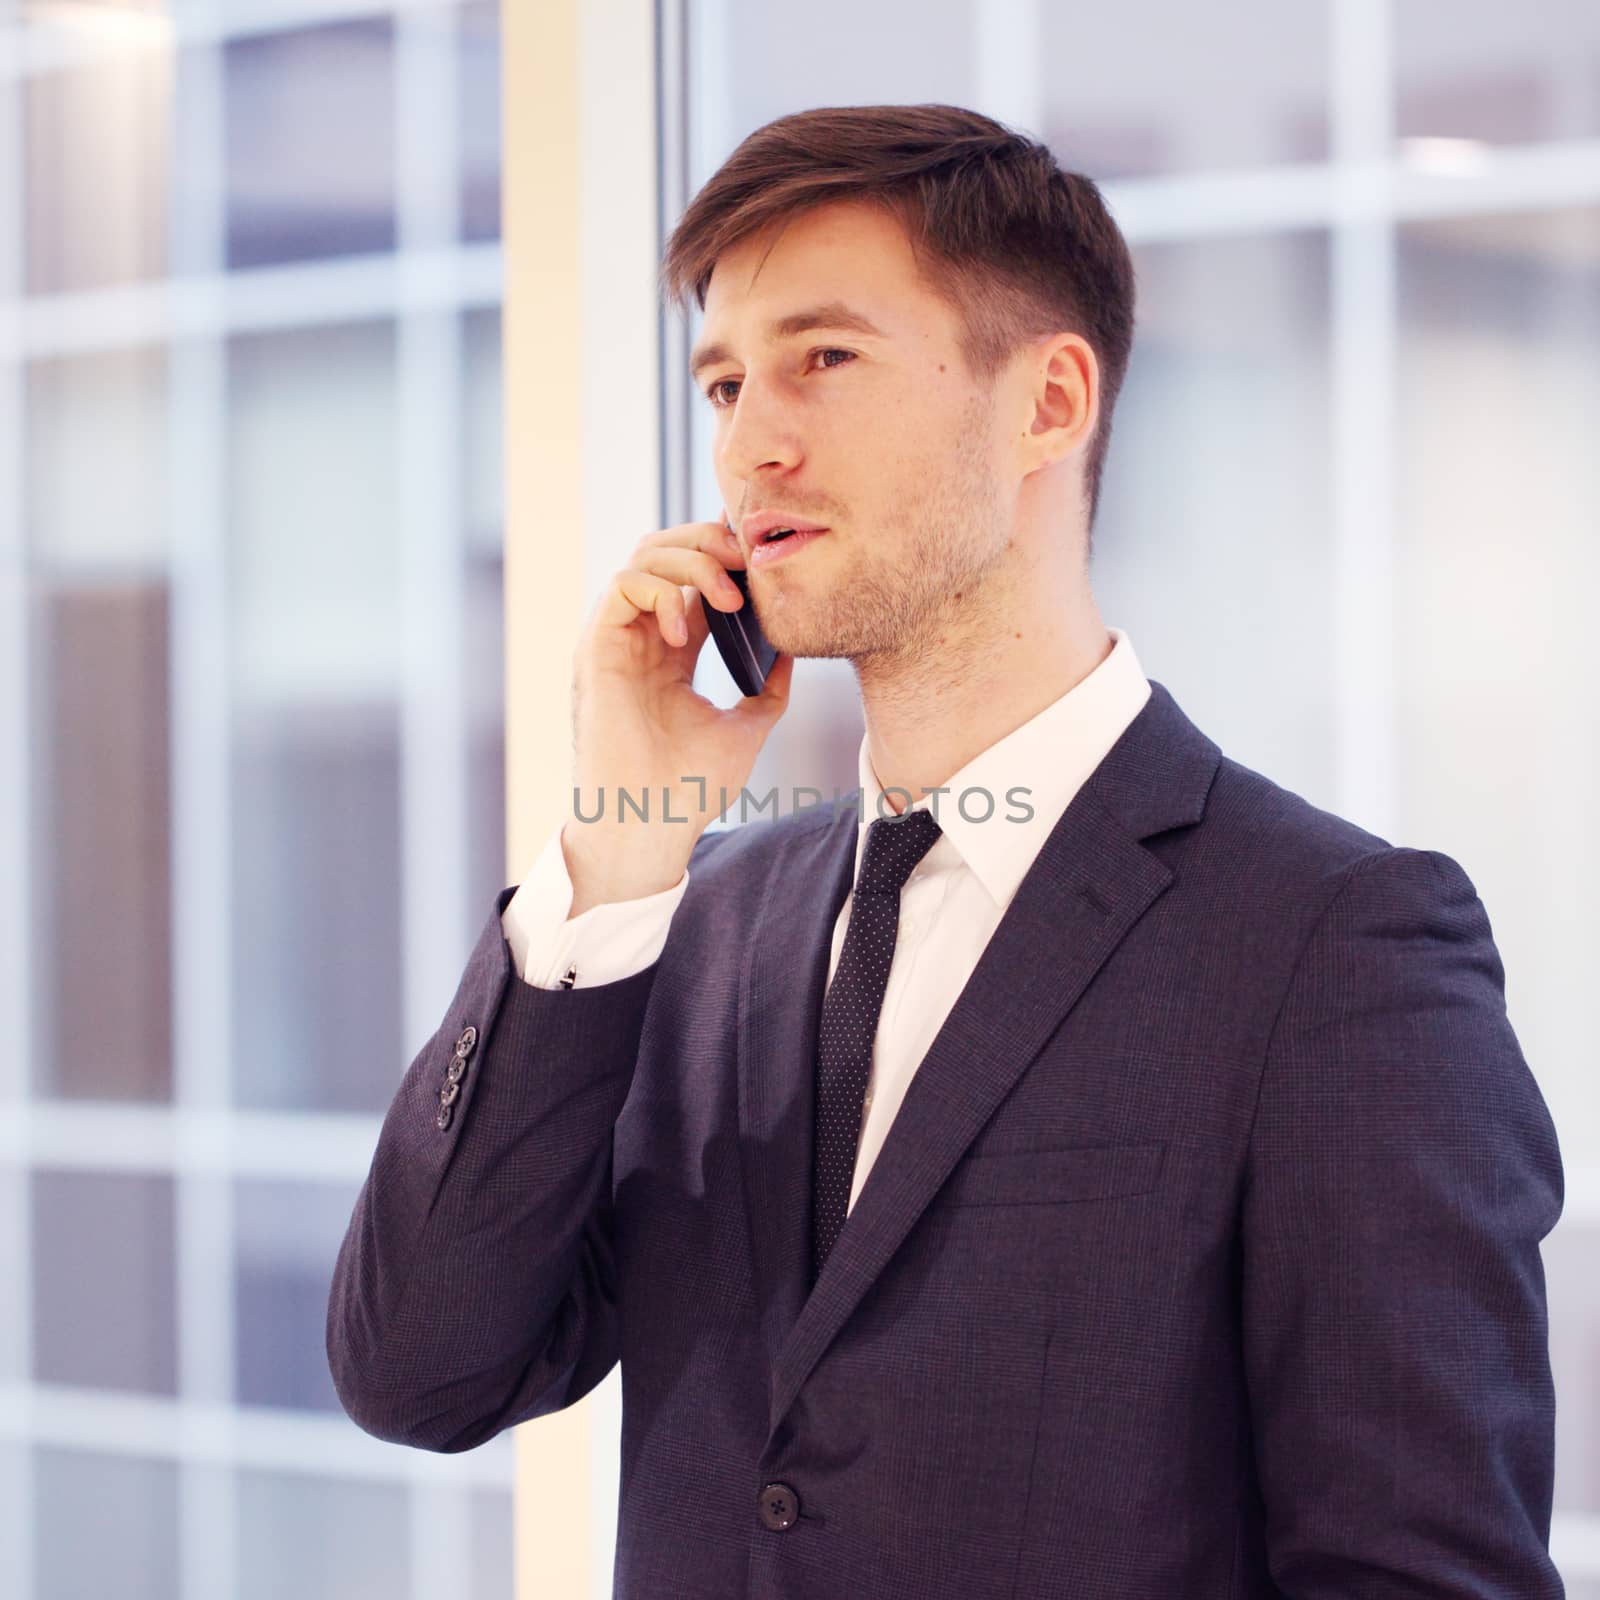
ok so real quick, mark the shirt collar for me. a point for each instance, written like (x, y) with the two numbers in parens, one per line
(1041, 765)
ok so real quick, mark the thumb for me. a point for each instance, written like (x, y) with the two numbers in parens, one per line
(771, 703)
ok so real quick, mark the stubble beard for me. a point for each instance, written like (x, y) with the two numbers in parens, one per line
(893, 599)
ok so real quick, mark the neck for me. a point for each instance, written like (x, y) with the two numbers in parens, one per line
(979, 675)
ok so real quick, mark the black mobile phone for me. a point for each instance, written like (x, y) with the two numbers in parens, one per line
(743, 647)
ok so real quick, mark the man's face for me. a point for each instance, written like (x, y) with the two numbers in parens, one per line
(881, 438)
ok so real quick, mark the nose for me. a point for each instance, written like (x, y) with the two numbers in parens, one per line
(759, 436)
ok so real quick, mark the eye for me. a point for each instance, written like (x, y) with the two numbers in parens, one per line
(722, 405)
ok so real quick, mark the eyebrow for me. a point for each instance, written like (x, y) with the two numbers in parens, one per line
(835, 314)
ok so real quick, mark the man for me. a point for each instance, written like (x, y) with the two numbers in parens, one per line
(1126, 1185)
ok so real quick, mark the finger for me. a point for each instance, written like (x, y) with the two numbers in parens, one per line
(774, 697)
(698, 568)
(633, 593)
(710, 537)
(699, 623)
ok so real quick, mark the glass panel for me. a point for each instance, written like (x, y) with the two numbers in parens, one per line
(486, 792)
(310, 143)
(1497, 746)
(321, 1538)
(491, 1512)
(17, 1535)
(482, 440)
(485, 626)
(102, 843)
(312, 513)
(759, 62)
(103, 1258)
(287, 1238)
(95, 509)
(1573, 1290)
(98, 143)
(1153, 88)
(480, 119)
(13, 1335)
(1217, 484)
(1159, 88)
(1497, 73)
(104, 1525)
(96, 461)
(317, 896)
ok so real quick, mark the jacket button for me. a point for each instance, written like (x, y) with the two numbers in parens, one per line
(469, 1037)
(445, 1114)
(779, 1506)
(456, 1069)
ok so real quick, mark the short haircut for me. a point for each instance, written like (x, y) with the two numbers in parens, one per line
(1018, 247)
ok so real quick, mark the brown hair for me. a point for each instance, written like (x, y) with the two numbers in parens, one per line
(1018, 247)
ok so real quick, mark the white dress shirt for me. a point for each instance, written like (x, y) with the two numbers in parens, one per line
(949, 907)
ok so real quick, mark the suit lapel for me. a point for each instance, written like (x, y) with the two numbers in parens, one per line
(1091, 882)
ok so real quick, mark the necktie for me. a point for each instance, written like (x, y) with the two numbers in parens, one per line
(850, 1011)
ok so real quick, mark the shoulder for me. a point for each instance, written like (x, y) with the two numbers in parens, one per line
(1276, 841)
(1372, 935)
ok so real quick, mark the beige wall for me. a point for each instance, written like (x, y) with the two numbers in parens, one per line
(582, 472)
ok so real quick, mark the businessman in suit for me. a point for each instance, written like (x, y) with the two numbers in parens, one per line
(1126, 1186)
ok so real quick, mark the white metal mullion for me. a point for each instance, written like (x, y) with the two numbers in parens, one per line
(259, 1438)
(1009, 83)
(1504, 179)
(708, 140)
(434, 736)
(302, 294)
(116, 1136)
(1511, 180)
(1363, 335)
(672, 25)
(434, 744)
(16, 979)
(50, 49)
(201, 824)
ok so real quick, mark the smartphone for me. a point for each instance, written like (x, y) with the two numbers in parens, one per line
(743, 647)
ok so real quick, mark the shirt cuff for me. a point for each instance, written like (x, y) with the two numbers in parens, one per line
(605, 943)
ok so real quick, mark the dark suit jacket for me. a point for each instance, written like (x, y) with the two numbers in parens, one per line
(1201, 1260)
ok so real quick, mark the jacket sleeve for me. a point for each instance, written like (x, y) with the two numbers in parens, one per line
(475, 1286)
(1403, 1169)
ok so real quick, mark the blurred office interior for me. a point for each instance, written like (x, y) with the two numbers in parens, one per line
(252, 698)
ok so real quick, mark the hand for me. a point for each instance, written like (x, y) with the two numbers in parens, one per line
(638, 724)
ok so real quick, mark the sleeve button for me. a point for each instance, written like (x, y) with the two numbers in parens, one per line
(469, 1037)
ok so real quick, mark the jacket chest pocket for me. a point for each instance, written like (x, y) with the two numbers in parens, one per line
(1054, 1177)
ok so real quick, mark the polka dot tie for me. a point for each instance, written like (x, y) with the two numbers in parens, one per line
(850, 1011)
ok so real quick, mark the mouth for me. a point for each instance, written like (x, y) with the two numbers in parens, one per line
(782, 543)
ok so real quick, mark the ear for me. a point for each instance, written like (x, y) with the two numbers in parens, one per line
(1063, 394)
